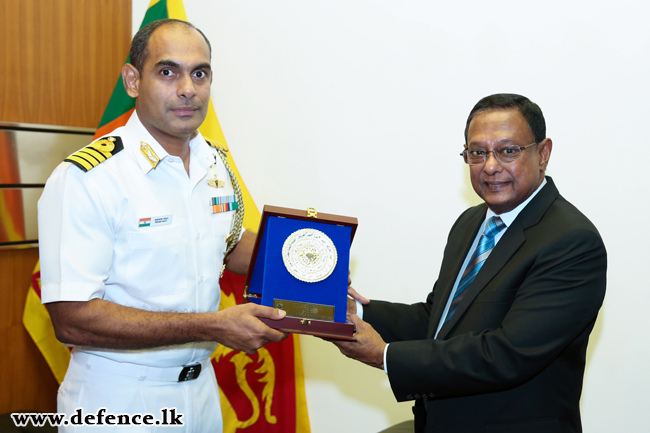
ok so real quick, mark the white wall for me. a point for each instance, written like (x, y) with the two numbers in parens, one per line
(358, 108)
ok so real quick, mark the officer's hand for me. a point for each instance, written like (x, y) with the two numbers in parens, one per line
(239, 328)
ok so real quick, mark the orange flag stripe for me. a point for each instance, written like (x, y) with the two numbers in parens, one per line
(114, 124)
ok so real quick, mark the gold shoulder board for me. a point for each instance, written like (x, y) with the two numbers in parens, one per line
(216, 145)
(96, 152)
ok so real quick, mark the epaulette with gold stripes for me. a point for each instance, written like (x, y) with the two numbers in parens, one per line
(96, 153)
(216, 145)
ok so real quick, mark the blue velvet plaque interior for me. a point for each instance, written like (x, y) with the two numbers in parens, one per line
(272, 280)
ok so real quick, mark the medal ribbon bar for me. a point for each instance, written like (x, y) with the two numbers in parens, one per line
(224, 204)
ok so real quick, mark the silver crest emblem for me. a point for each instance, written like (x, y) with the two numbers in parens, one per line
(309, 255)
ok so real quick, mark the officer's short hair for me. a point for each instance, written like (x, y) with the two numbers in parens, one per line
(138, 53)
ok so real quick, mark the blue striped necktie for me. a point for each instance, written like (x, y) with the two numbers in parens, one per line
(485, 245)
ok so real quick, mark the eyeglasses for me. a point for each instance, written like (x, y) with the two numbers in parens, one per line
(502, 154)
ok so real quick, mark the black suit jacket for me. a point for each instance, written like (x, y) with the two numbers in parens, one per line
(513, 359)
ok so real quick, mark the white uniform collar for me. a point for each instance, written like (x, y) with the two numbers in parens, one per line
(138, 134)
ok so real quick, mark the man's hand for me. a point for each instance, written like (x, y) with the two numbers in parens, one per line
(369, 347)
(354, 296)
(238, 327)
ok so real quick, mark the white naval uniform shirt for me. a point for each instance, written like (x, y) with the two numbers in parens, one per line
(92, 245)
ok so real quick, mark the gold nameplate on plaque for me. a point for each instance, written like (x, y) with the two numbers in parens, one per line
(305, 310)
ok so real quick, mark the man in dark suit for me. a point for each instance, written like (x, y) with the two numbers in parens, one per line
(500, 343)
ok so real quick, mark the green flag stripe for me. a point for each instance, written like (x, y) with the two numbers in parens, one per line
(155, 12)
(120, 102)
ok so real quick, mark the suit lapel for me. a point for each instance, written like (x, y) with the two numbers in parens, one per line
(512, 239)
(458, 245)
(508, 245)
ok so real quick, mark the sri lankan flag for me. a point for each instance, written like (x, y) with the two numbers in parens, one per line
(263, 392)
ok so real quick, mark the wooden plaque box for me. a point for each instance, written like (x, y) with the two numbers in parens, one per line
(315, 308)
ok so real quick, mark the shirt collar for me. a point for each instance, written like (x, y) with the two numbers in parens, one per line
(203, 153)
(138, 134)
(509, 217)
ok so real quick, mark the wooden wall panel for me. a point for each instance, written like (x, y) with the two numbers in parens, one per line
(26, 382)
(59, 62)
(60, 59)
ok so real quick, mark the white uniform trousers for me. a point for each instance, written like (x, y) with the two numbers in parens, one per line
(87, 387)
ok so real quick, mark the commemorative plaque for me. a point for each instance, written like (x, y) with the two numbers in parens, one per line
(300, 264)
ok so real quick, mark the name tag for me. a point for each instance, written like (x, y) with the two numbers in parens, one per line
(155, 221)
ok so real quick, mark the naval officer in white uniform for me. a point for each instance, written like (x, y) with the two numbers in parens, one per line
(134, 230)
